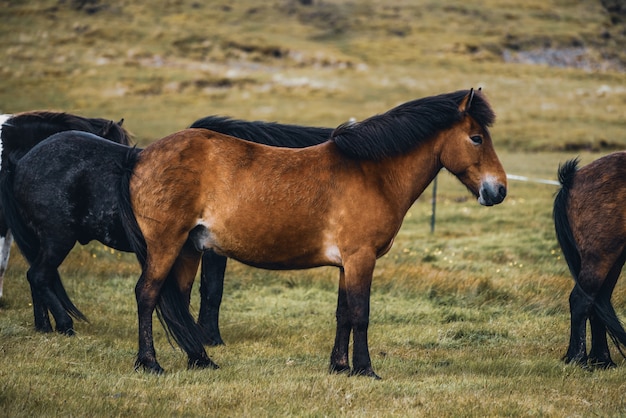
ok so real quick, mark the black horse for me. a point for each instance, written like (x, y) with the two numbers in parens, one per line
(21, 132)
(54, 200)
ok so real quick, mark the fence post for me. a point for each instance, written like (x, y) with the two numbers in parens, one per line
(434, 206)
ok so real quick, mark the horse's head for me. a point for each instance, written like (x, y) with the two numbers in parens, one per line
(468, 153)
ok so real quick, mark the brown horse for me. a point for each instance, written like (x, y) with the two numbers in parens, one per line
(340, 203)
(590, 221)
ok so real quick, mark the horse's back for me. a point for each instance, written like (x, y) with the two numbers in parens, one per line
(67, 154)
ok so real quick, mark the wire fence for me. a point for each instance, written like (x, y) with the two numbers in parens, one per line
(508, 176)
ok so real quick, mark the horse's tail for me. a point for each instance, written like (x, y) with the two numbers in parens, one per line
(564, 235)
(127, 215)
(66, 302)
(173, 313)
(601, 304)
(26, 239)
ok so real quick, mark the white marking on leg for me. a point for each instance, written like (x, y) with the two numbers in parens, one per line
(3, 119)
(5, 250)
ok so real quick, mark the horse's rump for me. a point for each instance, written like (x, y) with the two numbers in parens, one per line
(67, 185)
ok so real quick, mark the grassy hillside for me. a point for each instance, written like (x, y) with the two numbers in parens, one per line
(469, 321)
(165, 63)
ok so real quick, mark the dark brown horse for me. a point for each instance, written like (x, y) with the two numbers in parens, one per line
(590, 221)
(340, 203)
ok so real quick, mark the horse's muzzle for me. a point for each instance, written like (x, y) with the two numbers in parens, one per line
(491, 193)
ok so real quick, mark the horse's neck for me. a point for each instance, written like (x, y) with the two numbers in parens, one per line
(405, 177)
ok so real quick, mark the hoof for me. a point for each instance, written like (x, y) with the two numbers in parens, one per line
(579, 360)
(367, 373)
(150, 367)
(44, 329)
(69, 332)
(213, 342)
(338, 369)
(602, 364)
(210, 338)
(202, 363)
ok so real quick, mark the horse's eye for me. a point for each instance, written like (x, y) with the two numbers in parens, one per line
(476, 139)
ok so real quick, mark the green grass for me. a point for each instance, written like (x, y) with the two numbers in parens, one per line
(469, 321)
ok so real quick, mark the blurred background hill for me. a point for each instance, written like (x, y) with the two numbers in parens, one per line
(471, 320)
(554, 70)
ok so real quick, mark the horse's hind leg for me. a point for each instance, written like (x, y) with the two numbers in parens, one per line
(181, 324)
(39, 277)
(600, 355)
(40, 311)
(155, 286)
(42, 276)
(596, 272)
(579, 306)
(211, 292)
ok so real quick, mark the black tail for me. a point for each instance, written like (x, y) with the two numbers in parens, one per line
(602, 303)
(24, 237)
(27, 240)
(127, 215)
(66, 302)
(173, 313)
(566, 174)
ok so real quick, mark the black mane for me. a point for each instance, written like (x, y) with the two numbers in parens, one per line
(406, 126)
(25, 130)
(268, 133)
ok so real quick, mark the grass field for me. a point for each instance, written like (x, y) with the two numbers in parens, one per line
(471, 320)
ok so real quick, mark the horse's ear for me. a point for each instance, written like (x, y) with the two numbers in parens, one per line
(120, 122)
(467, 101)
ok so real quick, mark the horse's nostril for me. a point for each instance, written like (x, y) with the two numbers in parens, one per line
(502, 191)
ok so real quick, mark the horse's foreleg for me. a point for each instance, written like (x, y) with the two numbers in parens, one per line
(358, 278)
(339, 356)
(211, 291)
(5, 250)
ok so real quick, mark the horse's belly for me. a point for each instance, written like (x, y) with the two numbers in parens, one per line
(276, 251)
